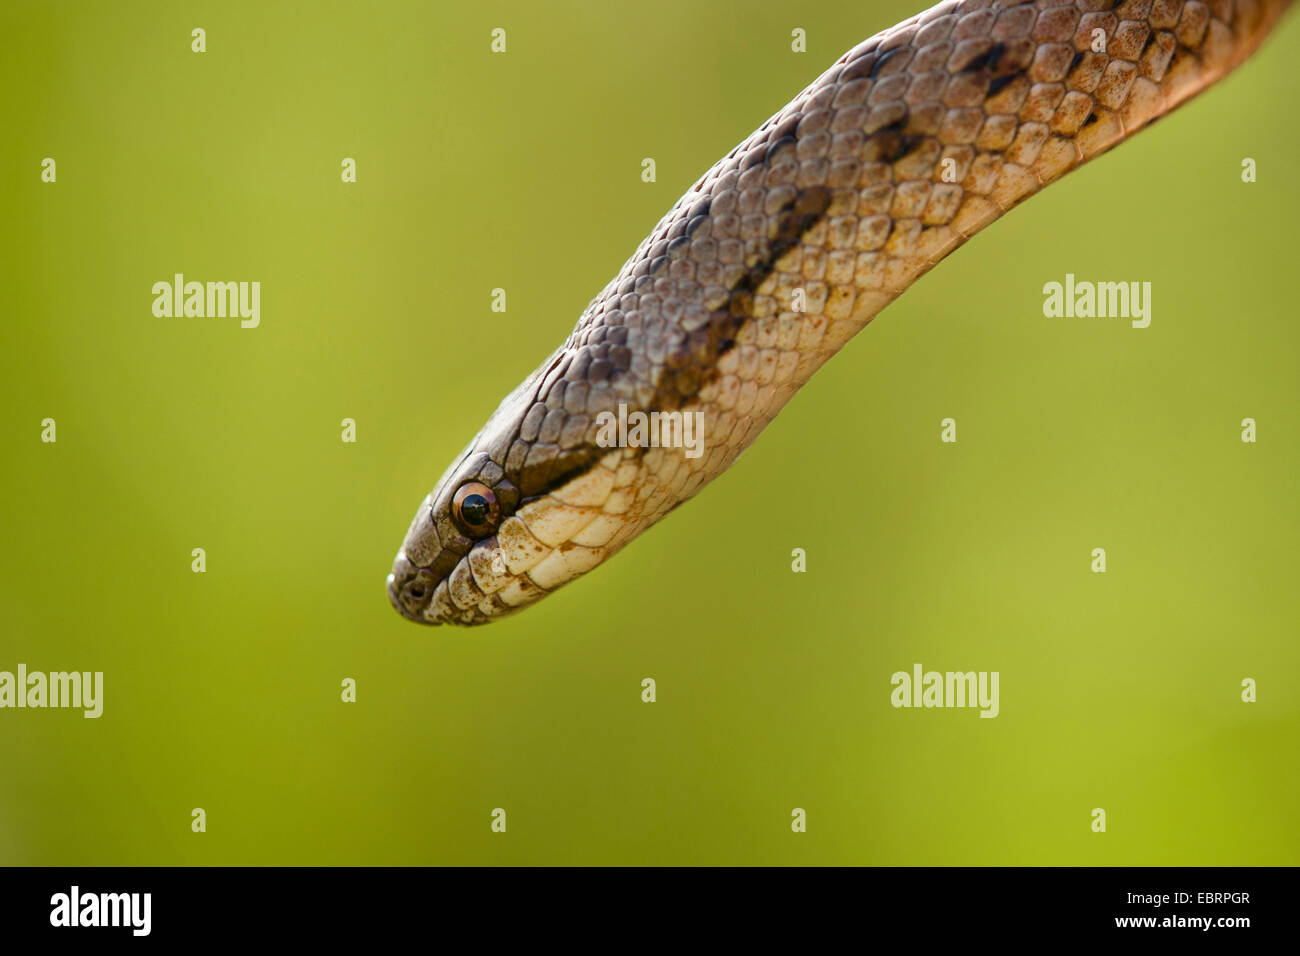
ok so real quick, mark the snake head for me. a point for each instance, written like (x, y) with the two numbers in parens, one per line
(458, 523)
(457, 520)
(522, 510)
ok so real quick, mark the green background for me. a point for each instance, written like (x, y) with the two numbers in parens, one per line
(522, 171)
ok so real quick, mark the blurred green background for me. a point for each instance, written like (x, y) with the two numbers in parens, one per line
(522, 171)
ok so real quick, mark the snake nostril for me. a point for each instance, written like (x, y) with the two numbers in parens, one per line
(417, 592)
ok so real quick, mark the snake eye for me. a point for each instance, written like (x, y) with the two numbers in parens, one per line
(475, 508)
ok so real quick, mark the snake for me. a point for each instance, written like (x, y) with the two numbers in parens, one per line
(908, 145)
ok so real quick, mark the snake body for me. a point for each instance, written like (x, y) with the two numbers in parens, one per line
(909, 144)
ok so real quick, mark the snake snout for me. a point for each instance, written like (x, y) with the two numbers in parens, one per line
(410, 590)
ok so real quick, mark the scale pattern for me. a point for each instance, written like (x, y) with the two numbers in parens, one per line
(908, 145)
